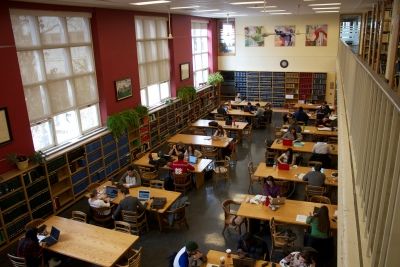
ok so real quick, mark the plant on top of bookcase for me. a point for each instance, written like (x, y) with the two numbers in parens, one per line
(216, 79)
(142, 111)
(186, 93)
(20, 160)
(38, 157)
(119, 123)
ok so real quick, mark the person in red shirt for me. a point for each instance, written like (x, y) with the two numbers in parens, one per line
(180, 166)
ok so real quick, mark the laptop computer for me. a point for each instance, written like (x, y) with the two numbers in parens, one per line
(278, 200)
(245, 262)
(192, 159)
(143, 195)
(283, 166)
(111, 191)
(52, 238)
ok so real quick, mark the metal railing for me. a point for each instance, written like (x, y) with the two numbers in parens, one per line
(371, 114)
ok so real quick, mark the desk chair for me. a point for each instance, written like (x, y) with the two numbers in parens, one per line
(320, 199)
(157, 184)
(146, 175)
(175, 217)
(278, 133)
(312, 190)
(100, 217)
(34, 224)
(252, 178)
(209, 152)
(248, 132)
(137, 221)
(123, 227)
(279, 240)
(313, 163)
(182, 182)
(284, 187)
(221, 169)
(132, 258)
(219, 117)
(231, 219)
(78, 216)
(17, 261)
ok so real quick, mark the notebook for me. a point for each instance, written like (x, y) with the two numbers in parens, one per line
(111, 191)
(52, 238)
(245, 262)
(192, 159)
(143, 195)
(278, 201)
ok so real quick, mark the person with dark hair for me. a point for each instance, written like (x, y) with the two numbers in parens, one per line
(260, 111)
(96, 202)
(300, 115)
(220, 132)
(251, 246)
(176, 149)
(287, 157)
(248, 107)
(293, 135)
(270, 189)
(189, 255)
(222, 110)
(129, 203)
(295, 126)
(287, 118)
(321, 152)
(315, 177)
(319, 222)
(30, 249)
(299, 259)
(180, 166)
(129, 179)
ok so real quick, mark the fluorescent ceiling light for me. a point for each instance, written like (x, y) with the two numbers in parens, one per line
(276, 10)
(239, 15)
(209, 10)
(328, 11)
(281, 13)
(247, 3)
(327, 4)
(325, 8)
(261, 7)
(149, 3)
(309, 0)
(224, 13)
(184, 7)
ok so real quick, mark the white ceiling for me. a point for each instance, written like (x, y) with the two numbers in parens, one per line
(292, 6)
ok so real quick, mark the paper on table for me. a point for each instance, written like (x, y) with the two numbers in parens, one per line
(301, 218)
(301, 175)
(324, 129)
(306, 131)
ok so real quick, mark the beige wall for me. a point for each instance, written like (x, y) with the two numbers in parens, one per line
(300, 57)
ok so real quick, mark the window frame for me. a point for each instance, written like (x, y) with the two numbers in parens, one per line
(201, 53)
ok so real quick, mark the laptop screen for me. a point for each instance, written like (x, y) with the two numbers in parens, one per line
(246, 262)
(144, 195)
(55, 233)
(192, 159)
(111, 191)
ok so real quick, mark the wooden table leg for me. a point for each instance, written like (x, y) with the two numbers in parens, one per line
(199, 179)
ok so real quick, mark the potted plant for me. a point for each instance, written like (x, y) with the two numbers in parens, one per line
(142, 112)
(119, 123)
(38, 157)
(215, 79)
(186, 93)
(20, 160)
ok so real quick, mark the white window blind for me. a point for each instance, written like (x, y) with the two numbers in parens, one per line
(57, 69)
(200, 52)
(153, 59)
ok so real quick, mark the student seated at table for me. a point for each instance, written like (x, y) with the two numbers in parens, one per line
(29, 248)
(321, 152)
(220, 132)
(295, 126)
(129, 179)
(287, 157)
(319, 223)
(299, 259)
(191, 151)
(324, 108)
(300, 115)
(259, 110)
(96, 202)
(315, 177)
(222, 110)
(251, 246)
(189, 255)
(287, 118)
(180, 166)
(293, 135)
(270, 189)
(176, 149)
(129, 203)
(238, 98)
(268, 113)
(323, 122)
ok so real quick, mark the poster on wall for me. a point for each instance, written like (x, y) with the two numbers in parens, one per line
(253, 36)
(5, 132)
(226, 37)
(317, 35)
(285, 35)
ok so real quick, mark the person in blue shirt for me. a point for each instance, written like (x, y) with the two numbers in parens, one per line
(188, 255)
(300, 115)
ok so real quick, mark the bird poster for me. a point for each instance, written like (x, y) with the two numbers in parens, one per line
(317, 35)
(285, 35)
(254, 36)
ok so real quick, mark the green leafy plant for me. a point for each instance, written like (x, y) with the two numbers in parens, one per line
(38, 157)
(142, 111)
(186, 93)
(215, 79)
(119, 123)
(15, 158)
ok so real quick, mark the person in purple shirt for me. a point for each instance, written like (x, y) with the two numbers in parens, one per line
(270, 189)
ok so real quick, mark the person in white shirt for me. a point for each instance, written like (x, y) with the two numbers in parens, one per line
(321, 152)
(321, 148)
(96, 202)
(130, 178)
(238, 98)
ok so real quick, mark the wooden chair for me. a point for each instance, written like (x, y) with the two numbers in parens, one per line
(301, 123)
(137, 221)
(221, 169)
(332, 140)
(17, 261)
(157, 184)
(78, 216)
(182, 182)
(312, 190)
(278, 133)
(199, 131)
(209, 152)
(252, 178)
(313, 163)
(133, 258)
(219, 117)
(178, 217)
(231, 219)
(146, 175)
(320, 199)
(102, 216)
(284, 187)
(279, 240)
(248, 132)
(270, 156)
(34, 224)
(123, 227)
(234, 157)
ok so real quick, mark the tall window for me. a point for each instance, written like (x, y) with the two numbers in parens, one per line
(153, 59)
(200, 52)
(57, 70)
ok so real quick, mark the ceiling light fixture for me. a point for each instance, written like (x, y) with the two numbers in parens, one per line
(184, 7)
(169, 25)
(149, 3)
(327, 4)
(209, 10)
(328, 11)
(325, 8)
(247, 3)
(272, 11)
(281, 13)
(224, 13)
(239, 15)
(262, 7)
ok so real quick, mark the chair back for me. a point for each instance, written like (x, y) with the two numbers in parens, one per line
(123, 227)
(312, 190)
(17, 261)
(133, 258)
(284, 188)
(182, 182)
(219, 117)
(147, 175)
(78, 216)
(248, 131)
(34, 224)
(137, 220)
(320, 199)
(313, 163)
(157, 184)
(228, 207)
(101, 215)
(199, 131)
(278, 132)
(209, 152)
(178, 216)
(301, 123)
(250, 168)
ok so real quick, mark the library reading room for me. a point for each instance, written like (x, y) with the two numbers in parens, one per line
(208, 133)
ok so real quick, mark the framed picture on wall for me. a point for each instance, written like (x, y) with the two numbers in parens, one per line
(185, 73)
(123, 88)
(5, 131)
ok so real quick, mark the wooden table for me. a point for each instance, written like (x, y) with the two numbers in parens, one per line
(199, 140)
(213, 257)
(237, 112)
(310, 106)
(243, 103)
(199, 167)
(89, 243)
(306, 148)
(239, 126)
(292, 174)
(286, 213)
(312, 130)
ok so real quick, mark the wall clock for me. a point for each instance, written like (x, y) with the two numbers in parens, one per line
(284, 63)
